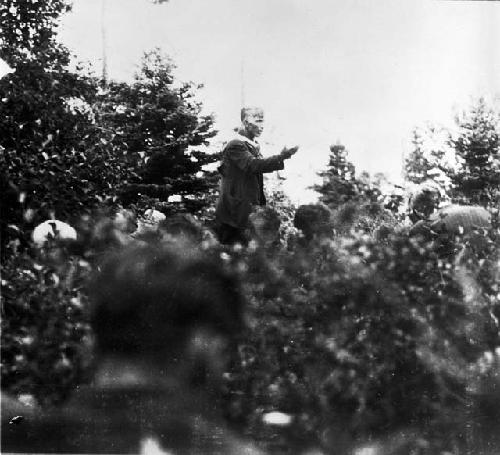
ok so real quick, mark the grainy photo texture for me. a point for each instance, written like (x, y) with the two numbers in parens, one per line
(250, 227)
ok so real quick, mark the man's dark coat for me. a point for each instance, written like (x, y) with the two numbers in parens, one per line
(242, 181)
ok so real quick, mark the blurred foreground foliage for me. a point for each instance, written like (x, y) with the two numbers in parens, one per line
(357, 338)
(354, 337)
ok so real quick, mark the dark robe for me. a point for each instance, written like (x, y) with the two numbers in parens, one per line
(241, 185)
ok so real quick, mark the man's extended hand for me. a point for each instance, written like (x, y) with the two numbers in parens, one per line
(287, 153)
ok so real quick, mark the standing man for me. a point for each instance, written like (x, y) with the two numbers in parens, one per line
(242, 183)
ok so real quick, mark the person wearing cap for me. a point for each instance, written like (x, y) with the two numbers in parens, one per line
(242, 183)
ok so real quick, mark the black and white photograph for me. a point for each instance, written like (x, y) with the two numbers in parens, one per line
(250, 227)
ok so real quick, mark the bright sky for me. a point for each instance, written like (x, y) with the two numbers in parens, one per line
(362, 72)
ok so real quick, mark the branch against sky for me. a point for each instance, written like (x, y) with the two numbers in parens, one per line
(29, 30)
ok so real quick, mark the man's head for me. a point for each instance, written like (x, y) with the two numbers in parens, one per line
(152, 302)
(424, 202)
(252, 119)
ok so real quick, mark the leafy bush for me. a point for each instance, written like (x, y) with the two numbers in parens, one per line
(54, 153)
(46, 341)
(353, 337)
(45, 334)
(357, 338)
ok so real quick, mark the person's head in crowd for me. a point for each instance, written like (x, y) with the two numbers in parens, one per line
(383, 232)
(54, 242)
(162, 313)
(314, 220)
(265, 226)
(154, 216)
(423, 202)
(183, 226)
(125, 220)
(252, 121)
(55, 230)
(105, 229)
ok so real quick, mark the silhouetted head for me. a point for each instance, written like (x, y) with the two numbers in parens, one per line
(183, 225)
(150, 301)
(424, 202)
(313, 220)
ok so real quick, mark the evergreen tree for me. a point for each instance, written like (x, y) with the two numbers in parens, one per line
(339, 183)
(358, 202)
(161, 123)
(430, 159)
(477, 178)
(417, 164)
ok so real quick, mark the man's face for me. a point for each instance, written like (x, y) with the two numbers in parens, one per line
(254, 122)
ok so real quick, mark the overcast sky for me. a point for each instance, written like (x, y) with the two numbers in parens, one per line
(362, 72)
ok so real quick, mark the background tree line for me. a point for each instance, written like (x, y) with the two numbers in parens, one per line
(72, 142)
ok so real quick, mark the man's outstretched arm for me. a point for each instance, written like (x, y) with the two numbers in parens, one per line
(237, 152)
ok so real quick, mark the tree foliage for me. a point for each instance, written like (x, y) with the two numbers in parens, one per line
(463, 161)
(476, 144)
(160, 122)
(358, 202)
(69, 146)
(339, 183)
(28, 32)
(429, 159)
(56, 157)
